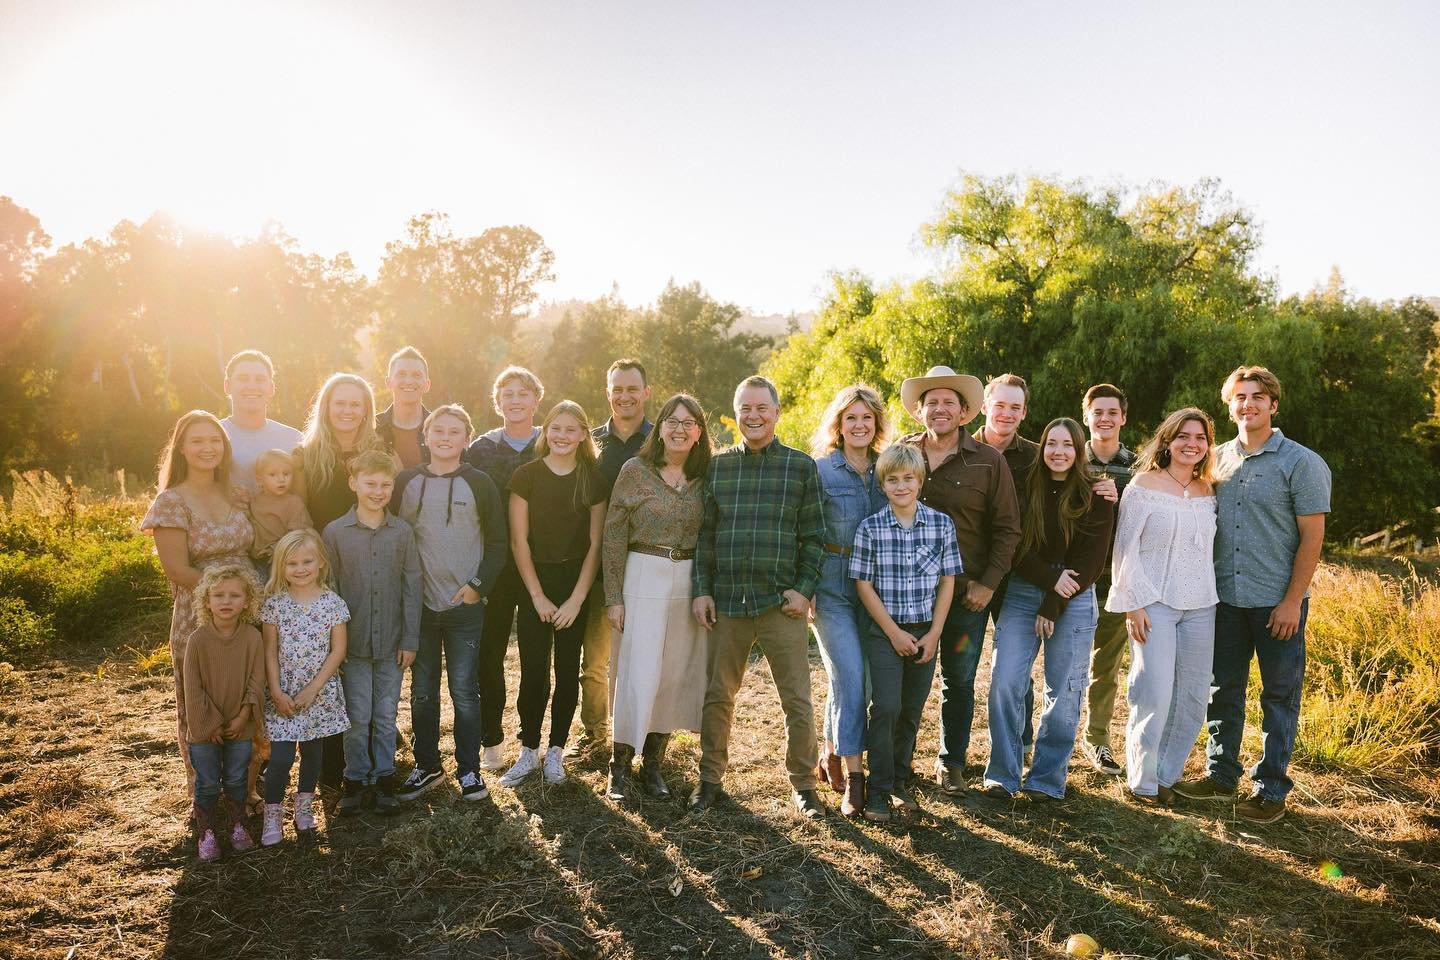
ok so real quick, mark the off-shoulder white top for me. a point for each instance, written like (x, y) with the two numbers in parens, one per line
(1164, 552)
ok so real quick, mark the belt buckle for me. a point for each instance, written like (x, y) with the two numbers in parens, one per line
(670, 552)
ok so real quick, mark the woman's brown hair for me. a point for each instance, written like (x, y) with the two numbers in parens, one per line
(697, 462)
(1075, 491)
(174, 469)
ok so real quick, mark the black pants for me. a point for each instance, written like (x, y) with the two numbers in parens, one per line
(508, 596)
(537, 640)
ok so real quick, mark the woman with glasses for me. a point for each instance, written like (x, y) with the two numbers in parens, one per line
(658, 654)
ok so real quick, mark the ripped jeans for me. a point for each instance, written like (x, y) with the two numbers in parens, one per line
(1067, 674)
(456, 633)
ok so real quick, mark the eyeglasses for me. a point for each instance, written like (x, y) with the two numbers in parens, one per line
(670, 423)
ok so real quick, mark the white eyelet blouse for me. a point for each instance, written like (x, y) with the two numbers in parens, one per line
(1164, 552)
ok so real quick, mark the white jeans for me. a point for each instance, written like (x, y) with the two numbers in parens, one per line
(1169, 690)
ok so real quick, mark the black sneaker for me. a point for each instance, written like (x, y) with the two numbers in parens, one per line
(386, 802)
(1103, 761)
(418, 782)
(472, 787)
(352, 798)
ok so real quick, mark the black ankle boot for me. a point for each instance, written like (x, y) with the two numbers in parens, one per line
(621, 756)
(655, 744)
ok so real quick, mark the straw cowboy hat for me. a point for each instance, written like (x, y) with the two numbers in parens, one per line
(971, 393)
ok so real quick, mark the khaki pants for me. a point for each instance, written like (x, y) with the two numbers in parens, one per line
(595, 666)
(1110, 644)
(786, 646)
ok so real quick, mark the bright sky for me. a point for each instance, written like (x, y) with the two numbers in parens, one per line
(752, 146)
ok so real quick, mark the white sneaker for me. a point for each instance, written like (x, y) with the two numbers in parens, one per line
(528, 763)
(555, 765)
(493, 758)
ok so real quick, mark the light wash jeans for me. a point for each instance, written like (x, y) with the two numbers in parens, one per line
(1169, 688)
(1067, 674)
(839, 617)
(372, 697)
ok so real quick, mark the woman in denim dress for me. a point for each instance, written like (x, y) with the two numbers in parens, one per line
(846, 443)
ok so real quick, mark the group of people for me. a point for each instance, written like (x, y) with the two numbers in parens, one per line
(640, 566)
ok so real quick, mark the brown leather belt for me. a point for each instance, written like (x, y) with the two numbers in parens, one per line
(670, 553)
(836, 548)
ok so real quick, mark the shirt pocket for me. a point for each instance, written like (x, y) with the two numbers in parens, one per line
(927, 560)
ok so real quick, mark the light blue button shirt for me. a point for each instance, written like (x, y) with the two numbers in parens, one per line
(1259, 495)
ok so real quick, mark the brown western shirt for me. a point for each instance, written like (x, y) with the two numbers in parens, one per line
(974, 487)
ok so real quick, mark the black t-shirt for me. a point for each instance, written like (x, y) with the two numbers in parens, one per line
(559, 529)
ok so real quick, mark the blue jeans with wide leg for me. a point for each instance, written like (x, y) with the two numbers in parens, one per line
(839, 619)
(1240, 634)
(1067, 674)
(455, 635)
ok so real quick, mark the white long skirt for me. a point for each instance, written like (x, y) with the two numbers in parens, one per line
(657, 666)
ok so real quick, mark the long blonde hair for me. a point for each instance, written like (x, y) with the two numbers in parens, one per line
(827, 438)
(288, 544)
(1155, 455)
(320, 449)
(587, 459)
(174, 469)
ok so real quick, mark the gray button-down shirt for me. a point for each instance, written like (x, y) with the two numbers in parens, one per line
(1259, 495)
(377, 572)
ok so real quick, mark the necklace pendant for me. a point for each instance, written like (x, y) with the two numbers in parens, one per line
(1187, 493)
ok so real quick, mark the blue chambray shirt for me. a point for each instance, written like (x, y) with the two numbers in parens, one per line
(846, 496)
(905, 565)
(1259, 495)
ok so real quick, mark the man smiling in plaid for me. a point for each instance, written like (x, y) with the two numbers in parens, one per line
(757, 564)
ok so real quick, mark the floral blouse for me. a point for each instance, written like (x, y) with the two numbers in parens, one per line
(646, 509)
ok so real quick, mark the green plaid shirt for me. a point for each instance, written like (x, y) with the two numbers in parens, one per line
(763, 530)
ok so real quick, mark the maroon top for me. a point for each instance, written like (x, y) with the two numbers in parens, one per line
(1085, 554)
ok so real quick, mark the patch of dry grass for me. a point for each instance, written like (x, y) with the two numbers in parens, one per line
(558, 871)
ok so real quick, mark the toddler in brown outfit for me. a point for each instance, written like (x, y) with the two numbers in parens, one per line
(275, 509)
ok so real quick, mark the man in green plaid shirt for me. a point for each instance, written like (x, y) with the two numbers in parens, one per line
(757, 564)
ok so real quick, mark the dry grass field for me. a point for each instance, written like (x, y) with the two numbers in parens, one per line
(96, 860)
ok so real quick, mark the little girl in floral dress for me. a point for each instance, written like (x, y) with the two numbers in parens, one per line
(303, 624)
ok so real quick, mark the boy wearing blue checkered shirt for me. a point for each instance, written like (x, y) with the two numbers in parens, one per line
(904, 562)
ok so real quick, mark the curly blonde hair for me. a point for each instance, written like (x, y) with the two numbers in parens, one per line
(219, 573)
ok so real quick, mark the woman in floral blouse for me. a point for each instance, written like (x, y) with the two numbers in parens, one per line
(658, 661)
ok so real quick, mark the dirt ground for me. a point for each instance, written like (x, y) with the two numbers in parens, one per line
(96, 860)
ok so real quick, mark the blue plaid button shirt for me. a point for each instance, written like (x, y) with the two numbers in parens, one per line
(905, 565)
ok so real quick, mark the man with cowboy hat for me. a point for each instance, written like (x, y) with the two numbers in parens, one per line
(971, 483)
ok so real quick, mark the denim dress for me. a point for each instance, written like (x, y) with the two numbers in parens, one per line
(847, 498)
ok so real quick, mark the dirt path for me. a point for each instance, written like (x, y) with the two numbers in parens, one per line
(96, 862)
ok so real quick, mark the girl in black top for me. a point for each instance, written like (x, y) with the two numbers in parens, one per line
(557, 513)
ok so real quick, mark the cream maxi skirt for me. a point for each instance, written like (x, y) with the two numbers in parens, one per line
(657, 665)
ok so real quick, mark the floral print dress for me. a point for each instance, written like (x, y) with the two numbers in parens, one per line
(304, 631)
(209, 543)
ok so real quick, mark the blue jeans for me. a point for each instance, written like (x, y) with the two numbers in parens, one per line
(899, 689)
(960, 643)
(1240, 634)
(220, 765)
(997, 603)
(455, 634)
(372, 698)
(839, 618)
(1067, 674)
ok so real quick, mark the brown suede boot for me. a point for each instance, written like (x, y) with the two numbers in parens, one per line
(654, 755)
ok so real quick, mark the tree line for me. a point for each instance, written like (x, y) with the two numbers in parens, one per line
(1153, 290)
(103, 343)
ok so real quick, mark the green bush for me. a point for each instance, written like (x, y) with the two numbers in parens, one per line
(23, 632)
(79, 566)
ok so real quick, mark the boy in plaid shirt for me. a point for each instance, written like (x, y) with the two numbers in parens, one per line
(904, 562)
